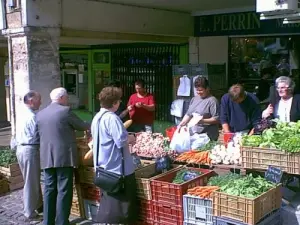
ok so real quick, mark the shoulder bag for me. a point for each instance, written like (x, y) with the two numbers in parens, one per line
(107, 181)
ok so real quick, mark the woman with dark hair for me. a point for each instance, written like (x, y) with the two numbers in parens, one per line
(207, 106)
(111, 154)
(122, 111)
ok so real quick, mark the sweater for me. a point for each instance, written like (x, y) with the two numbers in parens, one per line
(240, 116)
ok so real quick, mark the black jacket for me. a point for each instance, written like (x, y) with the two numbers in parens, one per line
(295, 109)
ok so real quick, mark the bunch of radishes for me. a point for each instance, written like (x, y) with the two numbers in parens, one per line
(150, 145)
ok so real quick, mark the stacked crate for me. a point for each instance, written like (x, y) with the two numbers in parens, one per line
(13, 175)
(167, 198)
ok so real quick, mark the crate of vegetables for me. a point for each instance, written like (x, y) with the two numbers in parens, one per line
(247, 199)
(10, 169)
(169, 188)
(277, 146)
(262, 158)
(143, 177)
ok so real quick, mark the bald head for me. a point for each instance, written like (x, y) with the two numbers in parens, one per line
(59, 95)
(33, 100)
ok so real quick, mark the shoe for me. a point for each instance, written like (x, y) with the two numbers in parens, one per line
(40, 210)
(34, 217)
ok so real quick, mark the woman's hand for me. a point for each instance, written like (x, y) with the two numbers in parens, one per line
(131, 139)
(268, 111)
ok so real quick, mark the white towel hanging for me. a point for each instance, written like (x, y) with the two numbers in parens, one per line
(184, 88)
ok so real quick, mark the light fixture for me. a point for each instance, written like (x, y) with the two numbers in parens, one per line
(292, 20)
(277, 16)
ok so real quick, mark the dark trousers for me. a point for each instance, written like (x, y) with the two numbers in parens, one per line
(58, 195)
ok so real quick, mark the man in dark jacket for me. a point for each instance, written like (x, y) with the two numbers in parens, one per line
(58, 155)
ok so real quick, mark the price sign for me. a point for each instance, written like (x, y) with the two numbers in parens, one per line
(200, 212)
(274, 174)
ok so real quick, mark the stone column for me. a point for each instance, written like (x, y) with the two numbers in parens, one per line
(3, 113)
(34, 65)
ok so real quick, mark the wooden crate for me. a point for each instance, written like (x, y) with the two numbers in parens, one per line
(261, 158)
(143, 177)
(77, 208)
(3, 186)
(13, 175)
(11, 171)
(86, 174)
(247, 210)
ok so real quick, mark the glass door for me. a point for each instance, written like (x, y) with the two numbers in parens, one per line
(101, 78)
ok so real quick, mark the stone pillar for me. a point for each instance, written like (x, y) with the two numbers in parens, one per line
(34, 65)
(193, 50)
(3, 111)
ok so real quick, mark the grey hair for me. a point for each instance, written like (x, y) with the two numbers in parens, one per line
(288, 81)
(57, 93)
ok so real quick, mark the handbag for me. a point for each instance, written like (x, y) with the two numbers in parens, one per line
(105, 180)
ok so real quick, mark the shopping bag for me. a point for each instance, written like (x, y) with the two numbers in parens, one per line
(181, 140)
(199, 140)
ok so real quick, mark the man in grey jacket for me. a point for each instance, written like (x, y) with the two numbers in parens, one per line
(56, 124)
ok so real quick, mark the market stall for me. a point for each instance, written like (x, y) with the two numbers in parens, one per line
(205, 186)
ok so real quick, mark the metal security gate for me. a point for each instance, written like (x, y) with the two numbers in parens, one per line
(152, 63)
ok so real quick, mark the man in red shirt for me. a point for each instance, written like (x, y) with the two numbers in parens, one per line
(141, 107)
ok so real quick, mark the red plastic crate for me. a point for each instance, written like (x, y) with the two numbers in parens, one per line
(163, 191)
(146, 211)
(166, 215)
(91, 192)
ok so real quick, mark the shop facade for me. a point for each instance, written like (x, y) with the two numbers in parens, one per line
(85, 72)
(247, 45)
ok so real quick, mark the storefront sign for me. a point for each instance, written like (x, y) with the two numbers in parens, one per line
(244, 23)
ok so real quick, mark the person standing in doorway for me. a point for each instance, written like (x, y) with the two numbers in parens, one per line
(28, 155)
(57, 125)
(141, 107)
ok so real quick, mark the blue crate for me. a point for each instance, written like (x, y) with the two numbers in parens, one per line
(199, 69)
(273, 218)
(184, 69)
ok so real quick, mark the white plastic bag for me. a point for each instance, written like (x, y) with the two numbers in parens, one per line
(181, 141)
(199, 140)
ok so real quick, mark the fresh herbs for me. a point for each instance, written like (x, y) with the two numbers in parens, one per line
(185, 175)
(209, 146)
(243, 186)
(7, 157)
(285, 137)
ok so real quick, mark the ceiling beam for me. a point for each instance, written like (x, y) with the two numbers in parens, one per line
(122, 36)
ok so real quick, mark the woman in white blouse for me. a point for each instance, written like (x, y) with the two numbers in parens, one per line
(286, 107)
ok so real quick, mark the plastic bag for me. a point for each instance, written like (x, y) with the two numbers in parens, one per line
(199, 140)
(184, 88)
(181, 140)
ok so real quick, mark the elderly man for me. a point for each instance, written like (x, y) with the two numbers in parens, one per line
(56, 124)
(28, 155)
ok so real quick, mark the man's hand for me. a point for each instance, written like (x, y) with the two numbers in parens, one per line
(130, 107)
(138, 104)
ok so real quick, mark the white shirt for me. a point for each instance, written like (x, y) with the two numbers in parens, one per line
(27, 130)
(284, 109)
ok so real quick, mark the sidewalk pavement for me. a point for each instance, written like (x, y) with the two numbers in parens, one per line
(11, 207)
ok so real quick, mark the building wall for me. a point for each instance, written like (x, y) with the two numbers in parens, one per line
(100, 16)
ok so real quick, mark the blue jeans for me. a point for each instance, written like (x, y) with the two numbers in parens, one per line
(58, 195)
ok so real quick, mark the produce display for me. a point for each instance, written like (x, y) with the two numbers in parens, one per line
(185, 175)
(229, 155)
(285, 137)
(243, 186)
(203, 192)
(194, 156)
(7, 157)
(151, 145)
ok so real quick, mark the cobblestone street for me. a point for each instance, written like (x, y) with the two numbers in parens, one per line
(11, 206)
